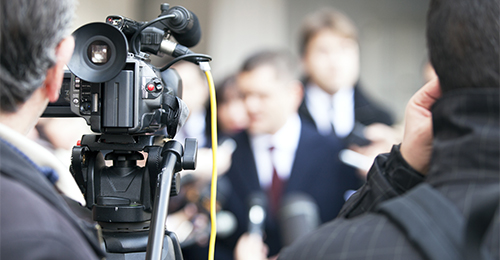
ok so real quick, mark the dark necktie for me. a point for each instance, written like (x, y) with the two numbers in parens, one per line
(275, 191)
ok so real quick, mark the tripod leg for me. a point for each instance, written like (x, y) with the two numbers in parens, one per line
(171, 153)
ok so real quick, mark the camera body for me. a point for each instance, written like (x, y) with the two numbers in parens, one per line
(112, 84)
(129, 103)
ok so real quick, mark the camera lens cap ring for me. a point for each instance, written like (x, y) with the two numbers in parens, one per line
(104, 41)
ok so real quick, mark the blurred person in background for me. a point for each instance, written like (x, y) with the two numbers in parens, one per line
(279, 154)
(334, 99)
(195, 95)
(232, 117)
(187, 217)
(189, 211)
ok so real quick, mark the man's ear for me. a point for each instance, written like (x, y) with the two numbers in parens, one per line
(55, 74)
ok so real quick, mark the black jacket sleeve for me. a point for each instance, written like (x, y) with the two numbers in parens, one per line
(389, 176)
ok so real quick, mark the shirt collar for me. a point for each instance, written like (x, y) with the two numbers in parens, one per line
(286, 137)
(48, 172)
(45, 161)
(321, 105)
(285, 143)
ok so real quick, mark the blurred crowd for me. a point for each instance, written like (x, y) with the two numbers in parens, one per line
(293, 132)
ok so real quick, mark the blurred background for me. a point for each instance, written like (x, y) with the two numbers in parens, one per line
(392, 35)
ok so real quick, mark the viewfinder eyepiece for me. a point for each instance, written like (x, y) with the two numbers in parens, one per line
(99, 52)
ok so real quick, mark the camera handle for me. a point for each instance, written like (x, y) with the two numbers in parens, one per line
(174, 160)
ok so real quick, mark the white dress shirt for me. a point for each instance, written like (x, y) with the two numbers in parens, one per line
(328, 110)
(285, 143)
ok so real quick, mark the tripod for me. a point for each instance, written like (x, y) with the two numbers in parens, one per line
(128, 201)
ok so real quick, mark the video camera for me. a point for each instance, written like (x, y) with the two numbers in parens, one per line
(114, 87)
(134, 106)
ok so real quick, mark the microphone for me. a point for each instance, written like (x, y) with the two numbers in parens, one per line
(226, 223)
(298, 216)
(185, 26)
(257, 213)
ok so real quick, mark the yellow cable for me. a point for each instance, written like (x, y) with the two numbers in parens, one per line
(213, 118)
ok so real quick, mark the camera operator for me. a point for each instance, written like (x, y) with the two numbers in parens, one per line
(36, 222)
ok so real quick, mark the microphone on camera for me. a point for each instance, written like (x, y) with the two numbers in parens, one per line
(298, 215)
(184, 26)
(257, 213)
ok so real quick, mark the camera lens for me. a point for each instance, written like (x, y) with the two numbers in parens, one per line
(99, 52)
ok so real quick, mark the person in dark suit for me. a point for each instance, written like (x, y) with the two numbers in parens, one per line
(334, 100)
(451, 144)
(279, 154)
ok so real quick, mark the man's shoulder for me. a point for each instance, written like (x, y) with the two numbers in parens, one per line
(242, 157)
(29, 221)
(369, 236)
(34, 215)
(22, 205)
(13, 160)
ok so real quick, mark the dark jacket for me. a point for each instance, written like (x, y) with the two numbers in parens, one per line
(464, 163)
(316, 171)
(35, 221)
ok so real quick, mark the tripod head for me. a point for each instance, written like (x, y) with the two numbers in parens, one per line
(128, 200)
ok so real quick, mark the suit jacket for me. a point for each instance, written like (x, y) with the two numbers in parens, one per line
(366, 111)
(466, 149)
(316, 171)
(36, 222)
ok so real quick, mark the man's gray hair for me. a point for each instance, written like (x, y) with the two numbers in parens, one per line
(30, 32)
